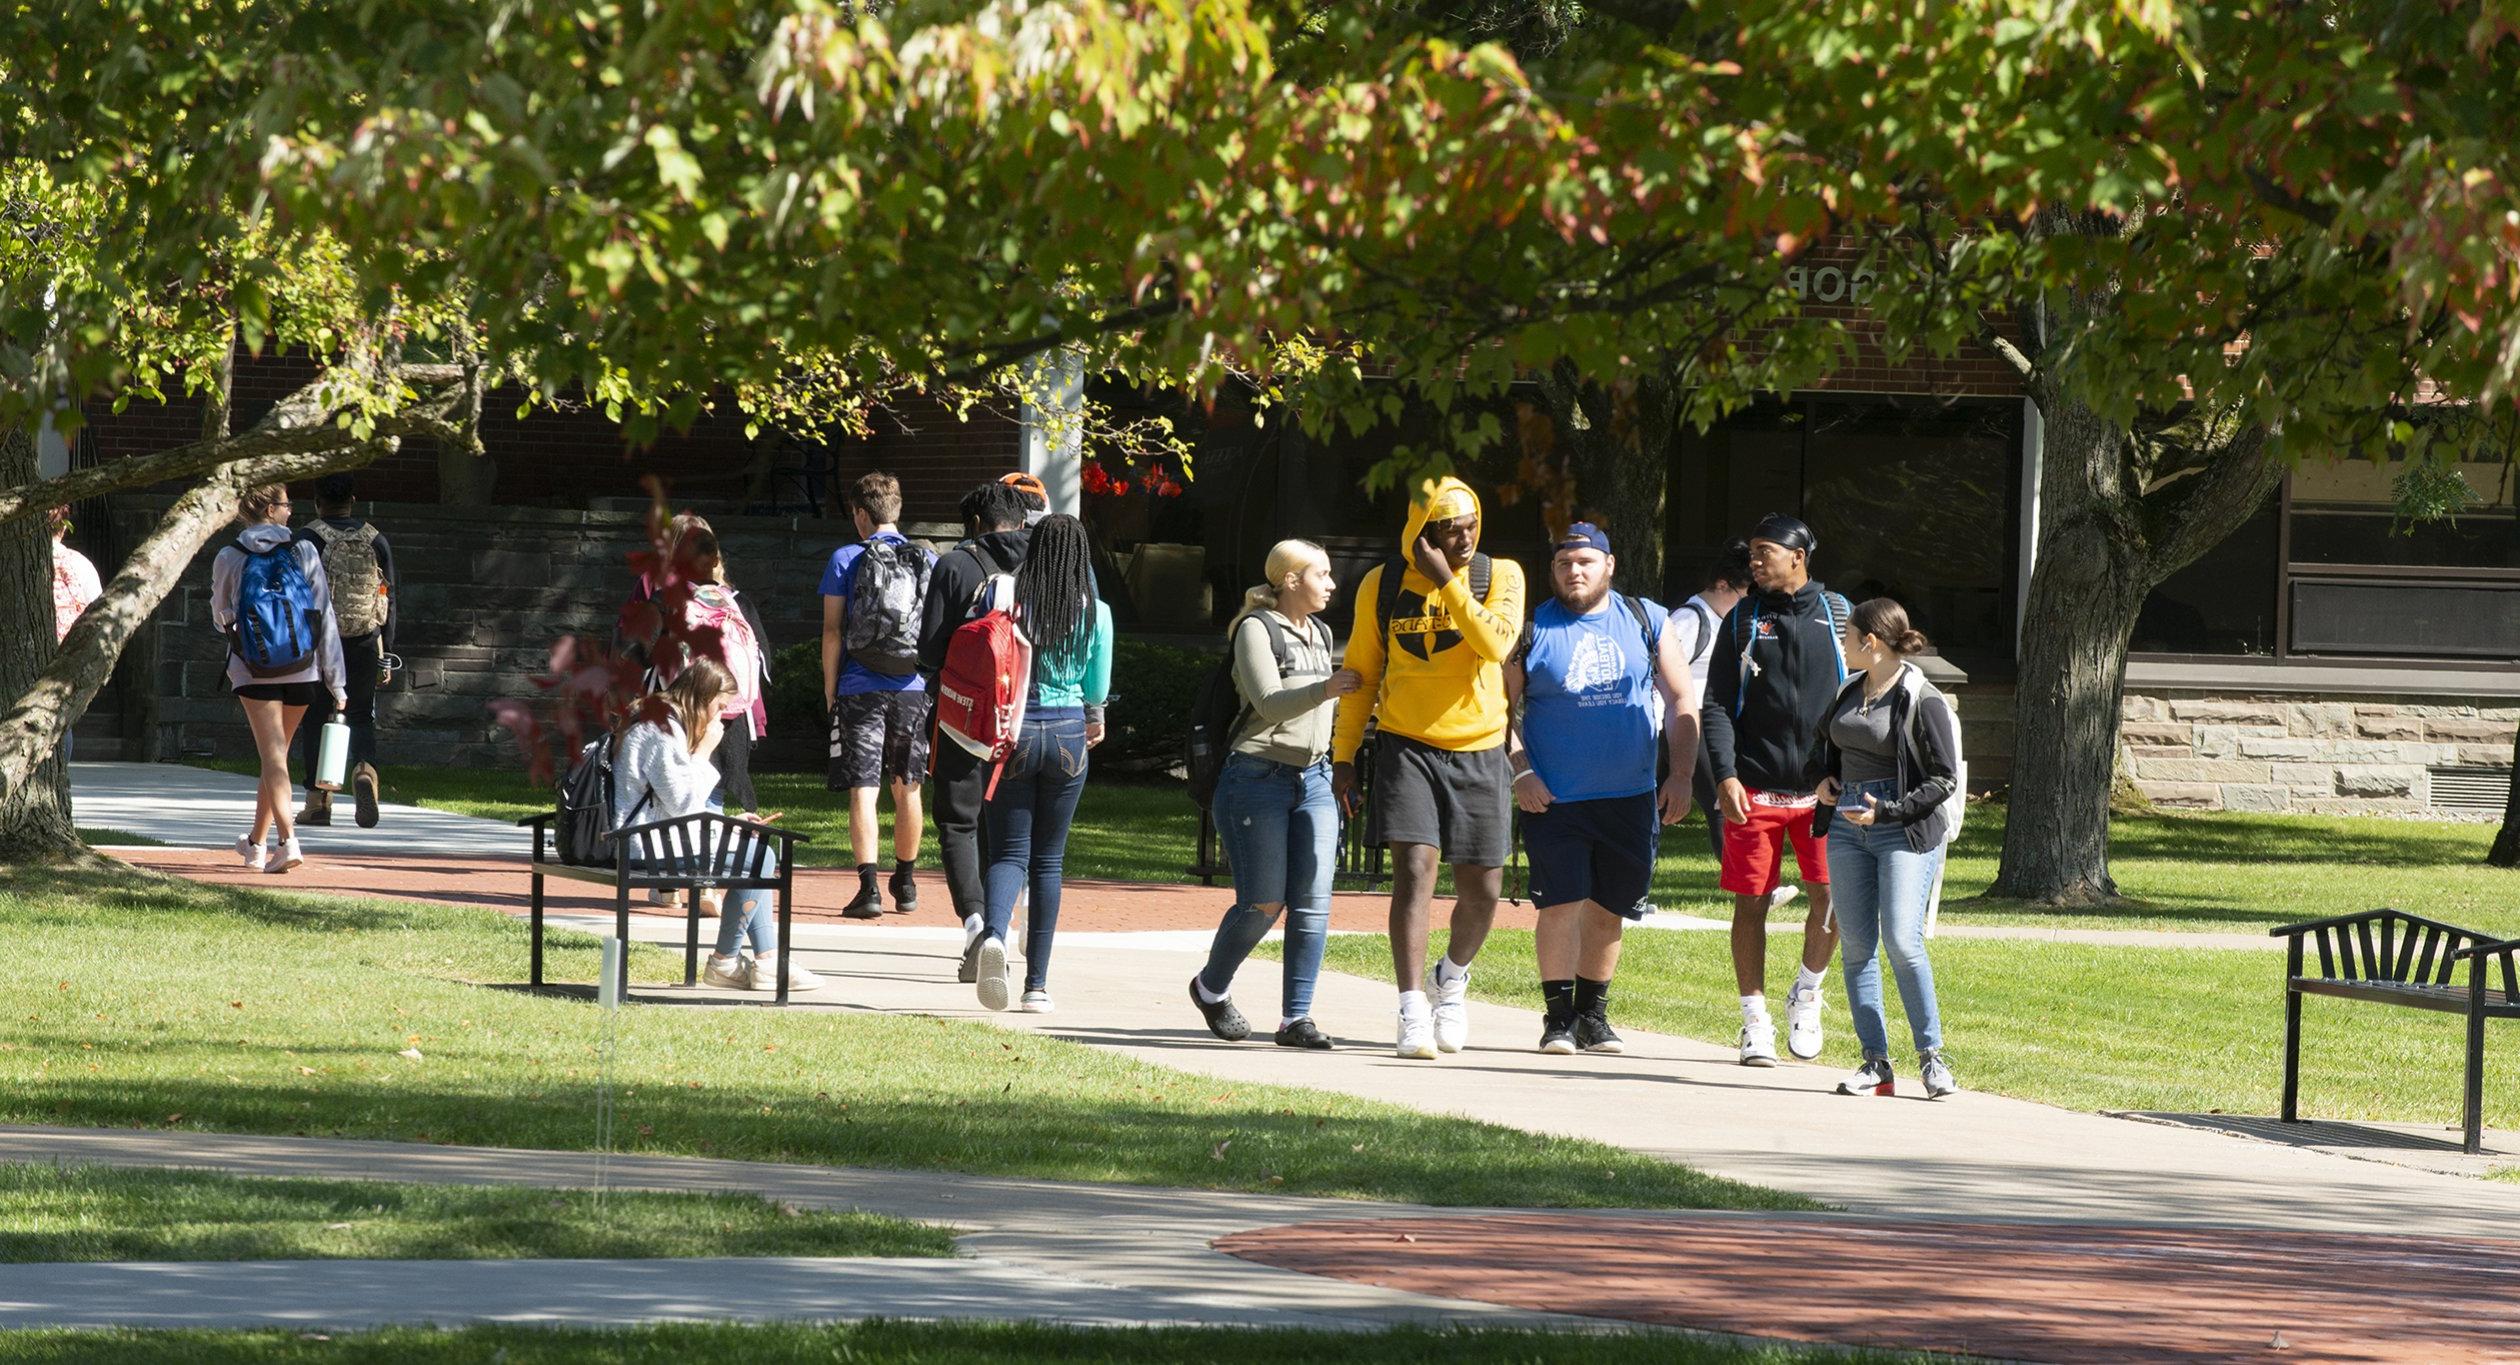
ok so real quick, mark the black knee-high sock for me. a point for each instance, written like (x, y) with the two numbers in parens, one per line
(1558, 998)
(1591, 997)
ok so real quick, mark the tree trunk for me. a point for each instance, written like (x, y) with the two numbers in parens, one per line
(465, 478)
(1617, 449)
(35, 796)
(2506, 849)
(2085, 591)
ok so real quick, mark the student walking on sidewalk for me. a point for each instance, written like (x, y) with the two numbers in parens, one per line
(874, 595)
(360, 566)
(664, 771)
(1602, 678)
(269, 597)
(1890, 772)
(1273, 806)
(993, 517)
(1433, 630)
(1027, 820)
(1776, 666)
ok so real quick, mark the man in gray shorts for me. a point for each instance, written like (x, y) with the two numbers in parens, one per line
(1434, 628)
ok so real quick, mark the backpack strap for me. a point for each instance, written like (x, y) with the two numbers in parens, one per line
(1482, 577)
(1748, 633)
(1706, 631)
(1829, 603)
(1644, 628)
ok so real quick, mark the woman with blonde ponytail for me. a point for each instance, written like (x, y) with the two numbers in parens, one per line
(1273, 806)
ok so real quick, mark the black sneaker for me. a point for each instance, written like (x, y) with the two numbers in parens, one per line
(1557, 1035)
(970, 971)
(1302, 1034)
(1223, 1019)
(868, 905)
(905, 891)
(1594, 1034)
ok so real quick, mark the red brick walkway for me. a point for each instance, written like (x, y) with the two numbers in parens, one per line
(2043, 1292)
(1088, 906)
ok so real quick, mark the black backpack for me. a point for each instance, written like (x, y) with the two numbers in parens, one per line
(1216, 718)
(586, 808)
(887, 588)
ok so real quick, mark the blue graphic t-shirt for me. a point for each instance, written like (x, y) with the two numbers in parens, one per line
(1591, 717)
(856, 677)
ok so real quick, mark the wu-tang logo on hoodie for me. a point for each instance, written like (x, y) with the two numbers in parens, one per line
(1428, 633)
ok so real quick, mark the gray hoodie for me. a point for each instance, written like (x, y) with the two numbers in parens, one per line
(258, 539)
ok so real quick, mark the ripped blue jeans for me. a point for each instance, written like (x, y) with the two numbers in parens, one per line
(1025, 830)
(1280, 829)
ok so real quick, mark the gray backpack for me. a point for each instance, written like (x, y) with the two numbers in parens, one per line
(358, 579)
(887, 589)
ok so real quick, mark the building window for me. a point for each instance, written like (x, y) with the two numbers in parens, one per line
(2360, 581)
(2224, 603)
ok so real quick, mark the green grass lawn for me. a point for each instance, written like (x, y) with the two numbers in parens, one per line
(145, 1001)
(906, 1343)
(2221, 871)
(2187, 1030)
(101, 1213)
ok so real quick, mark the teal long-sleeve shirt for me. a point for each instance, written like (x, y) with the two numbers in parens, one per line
(1084, 679)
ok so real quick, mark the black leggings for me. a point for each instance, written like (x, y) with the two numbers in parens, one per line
(734, 764)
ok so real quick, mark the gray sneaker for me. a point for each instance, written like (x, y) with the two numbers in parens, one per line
(969, 972)
(1938, 1078)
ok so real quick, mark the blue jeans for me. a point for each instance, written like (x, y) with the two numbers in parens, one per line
(1281, 835)
(1025, 830)
(1878, 888)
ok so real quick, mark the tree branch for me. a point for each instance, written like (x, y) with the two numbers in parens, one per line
(2191, 515)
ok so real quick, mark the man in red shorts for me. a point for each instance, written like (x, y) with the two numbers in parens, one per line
(1776, 667)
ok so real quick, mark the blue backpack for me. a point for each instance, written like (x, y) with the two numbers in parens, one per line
(276, 622)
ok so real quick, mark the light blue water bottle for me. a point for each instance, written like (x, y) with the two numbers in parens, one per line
(332, 755)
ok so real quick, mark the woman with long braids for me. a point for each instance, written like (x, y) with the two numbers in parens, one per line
(1026, 823)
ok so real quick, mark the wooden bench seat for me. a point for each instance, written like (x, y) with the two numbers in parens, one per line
(686, 855)
(2390, 957)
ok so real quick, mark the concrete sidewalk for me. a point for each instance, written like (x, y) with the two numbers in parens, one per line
(185, 807)
(1033, 1249)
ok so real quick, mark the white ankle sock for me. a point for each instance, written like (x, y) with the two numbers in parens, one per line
(1413, 1003)
(973, 927)
(1754, 1007)
(1211, 997)
(1448, 971)
(1287, 1021)
(1808, 980)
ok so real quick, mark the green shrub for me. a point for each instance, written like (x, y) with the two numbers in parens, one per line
(1152, 690)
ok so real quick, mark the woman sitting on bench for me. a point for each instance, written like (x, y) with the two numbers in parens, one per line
(662, 772)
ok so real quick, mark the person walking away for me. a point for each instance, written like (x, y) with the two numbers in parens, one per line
(634, 630)
(75, 588)
(719, 623)
(1696, 621)
(1890, 773)
(1272, 806)
(993, 515)
(1776, 666)
(359, 563)
(1433, 630)
(1027, 819)
(1601, 678)
(270, 598)
(873, 595)
(664, 770)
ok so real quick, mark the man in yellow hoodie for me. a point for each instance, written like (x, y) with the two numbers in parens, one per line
(1434, 628)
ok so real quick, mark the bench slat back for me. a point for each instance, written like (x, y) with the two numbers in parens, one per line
(2392, 946)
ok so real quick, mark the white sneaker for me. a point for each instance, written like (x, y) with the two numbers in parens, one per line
(1782, 896)
(1802, 1023)
(1417, 1037)
(763, 975)
(250, 851)
(287, 856)
(1037, 1002)
(1452, 1012)
(1758, 1042)
(732, 973)
(1873, 1078)
(992, 982)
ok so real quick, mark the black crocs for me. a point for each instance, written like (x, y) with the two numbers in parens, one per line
(1223, 1019)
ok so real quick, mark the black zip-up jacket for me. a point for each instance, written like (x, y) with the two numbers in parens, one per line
(1929, 758)
(1759, 723)
(952, 584)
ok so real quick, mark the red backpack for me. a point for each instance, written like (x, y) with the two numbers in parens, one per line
(987, 678)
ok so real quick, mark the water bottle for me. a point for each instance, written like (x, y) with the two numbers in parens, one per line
(332, 755)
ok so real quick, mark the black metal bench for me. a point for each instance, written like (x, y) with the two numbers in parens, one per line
(688, 854)
(2390, 957)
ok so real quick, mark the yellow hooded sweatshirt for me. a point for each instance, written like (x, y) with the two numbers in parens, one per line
(1442, 682)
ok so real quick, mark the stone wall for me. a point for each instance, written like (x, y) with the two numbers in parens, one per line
(2331, 754)
(485, 594)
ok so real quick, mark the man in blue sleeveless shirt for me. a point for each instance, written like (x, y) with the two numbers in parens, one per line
(1600, 683)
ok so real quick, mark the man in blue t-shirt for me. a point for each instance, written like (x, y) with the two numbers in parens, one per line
(873, 592)
(1598, 683)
